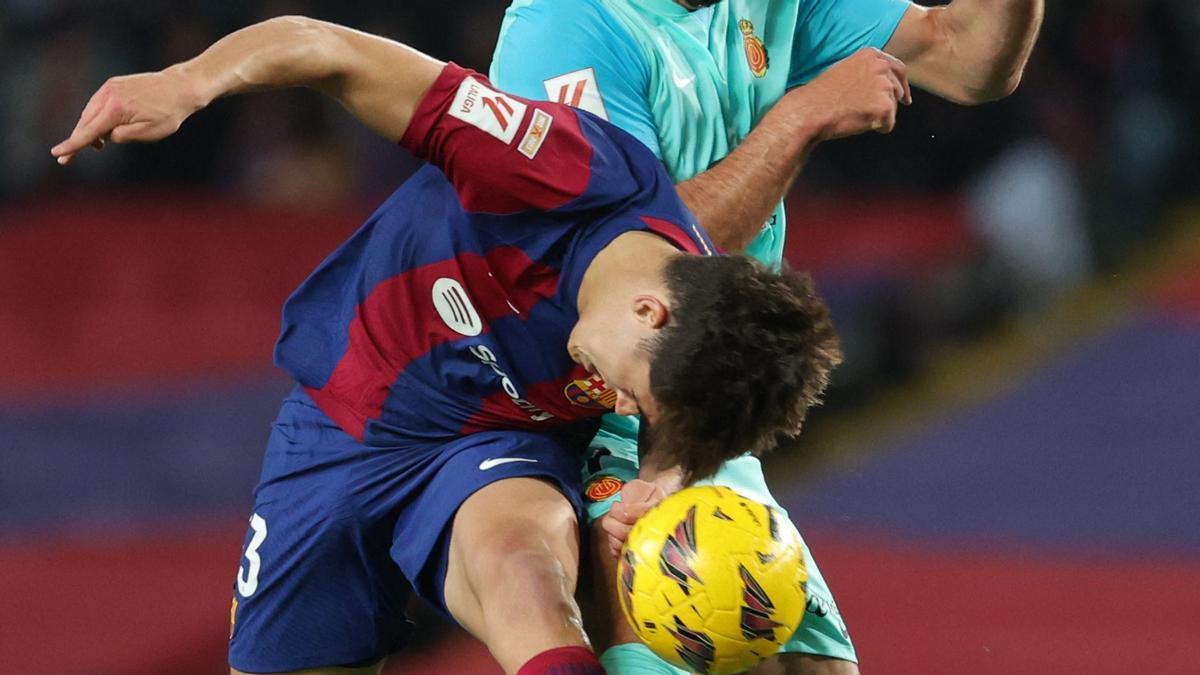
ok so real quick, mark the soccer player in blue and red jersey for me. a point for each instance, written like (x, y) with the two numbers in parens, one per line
(453, 356)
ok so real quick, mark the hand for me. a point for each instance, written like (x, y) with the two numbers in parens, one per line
(637, 497)
(145, 107)
(857, 94)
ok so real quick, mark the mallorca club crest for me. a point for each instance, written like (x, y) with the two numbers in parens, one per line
(756, 51)
(602, 487)
(591, 393)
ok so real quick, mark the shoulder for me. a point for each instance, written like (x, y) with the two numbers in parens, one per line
(536, 34)
(586, 17)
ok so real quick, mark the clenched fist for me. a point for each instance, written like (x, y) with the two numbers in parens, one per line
(857, 94)
(637, 497)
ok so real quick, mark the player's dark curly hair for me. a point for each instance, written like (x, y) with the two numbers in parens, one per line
(746, 353)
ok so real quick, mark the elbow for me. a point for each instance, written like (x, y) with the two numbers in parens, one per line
(1001, 86)
(1009, 84)
(316, 50)
(319, 36)
(294, 26)
(988, 90)
(295, 22)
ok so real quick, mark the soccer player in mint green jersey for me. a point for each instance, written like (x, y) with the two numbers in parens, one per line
(695, 81)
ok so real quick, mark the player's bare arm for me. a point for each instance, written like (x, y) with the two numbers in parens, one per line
(379, 81)
(859, 94)
(970, 51)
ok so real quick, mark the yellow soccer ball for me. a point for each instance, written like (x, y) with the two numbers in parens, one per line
(712, 581)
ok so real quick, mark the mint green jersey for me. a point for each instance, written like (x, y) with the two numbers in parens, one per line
(690, 85)
(713, 74)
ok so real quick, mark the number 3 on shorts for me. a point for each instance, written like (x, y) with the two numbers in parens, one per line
(247, 581)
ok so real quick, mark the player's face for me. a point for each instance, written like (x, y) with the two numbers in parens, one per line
(628, 374)
(624, 365)
(612, 346)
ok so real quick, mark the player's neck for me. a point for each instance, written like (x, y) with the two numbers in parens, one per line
(630, 265)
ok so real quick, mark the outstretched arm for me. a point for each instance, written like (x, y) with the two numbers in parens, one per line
(379, 81)
(970, 51)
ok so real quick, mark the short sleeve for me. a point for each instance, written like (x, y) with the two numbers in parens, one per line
(828, 31)
(506, 154)
(575, 52)
(611, 461)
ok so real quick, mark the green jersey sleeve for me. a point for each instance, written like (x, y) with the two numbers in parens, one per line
(575, 52)
(828, 31)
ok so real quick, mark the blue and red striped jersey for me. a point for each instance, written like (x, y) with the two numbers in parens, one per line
(448, 311)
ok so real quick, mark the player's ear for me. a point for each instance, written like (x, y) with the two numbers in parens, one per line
(651, 311)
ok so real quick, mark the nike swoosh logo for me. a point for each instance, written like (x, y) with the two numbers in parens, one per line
(493, 463)
(679, 80)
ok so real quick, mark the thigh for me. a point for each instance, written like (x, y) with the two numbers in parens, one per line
(473, 476)
(316, 587)
(495, 533)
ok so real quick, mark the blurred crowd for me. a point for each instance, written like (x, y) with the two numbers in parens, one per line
(1059, 181)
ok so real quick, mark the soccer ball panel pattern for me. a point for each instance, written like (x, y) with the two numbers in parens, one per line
(713, 581)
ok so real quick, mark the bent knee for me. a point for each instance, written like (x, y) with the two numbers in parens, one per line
(520, 562)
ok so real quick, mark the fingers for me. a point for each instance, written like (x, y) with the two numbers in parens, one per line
(629, 512)
(143, 107)
(900, 71)
(617, 532)
(637, 490)
(64, 152)
(897, 75)
(887, 124)
(95, 105)
(88, 130)
(637, 498)
(86, 133)
(897, 79)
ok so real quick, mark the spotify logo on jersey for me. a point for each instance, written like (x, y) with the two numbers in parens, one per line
(451, 302)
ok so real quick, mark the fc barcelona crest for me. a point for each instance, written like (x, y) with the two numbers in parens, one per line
(591, 393)
(756, 52)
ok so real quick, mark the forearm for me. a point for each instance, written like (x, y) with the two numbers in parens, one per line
(734, 198)
(379, 81)
(970, 51)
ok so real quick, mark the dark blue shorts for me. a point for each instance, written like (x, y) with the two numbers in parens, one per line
(342, 533)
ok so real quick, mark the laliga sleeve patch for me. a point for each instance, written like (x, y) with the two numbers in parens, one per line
(489, 110)
(578, 89)
(602, 487)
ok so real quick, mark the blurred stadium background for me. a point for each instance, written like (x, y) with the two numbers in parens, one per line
(1006, 478)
